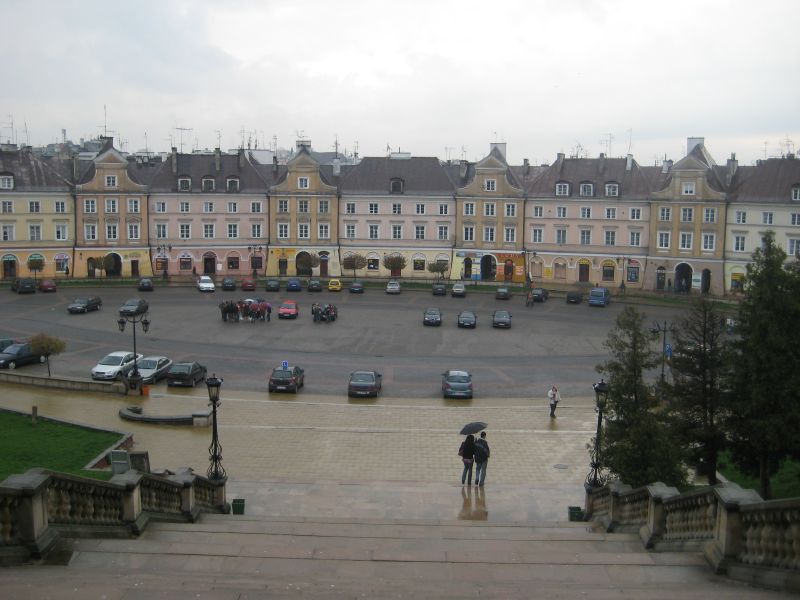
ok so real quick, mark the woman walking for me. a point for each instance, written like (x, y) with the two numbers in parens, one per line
(467, 454)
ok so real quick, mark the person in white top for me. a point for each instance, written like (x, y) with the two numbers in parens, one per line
(553, 398)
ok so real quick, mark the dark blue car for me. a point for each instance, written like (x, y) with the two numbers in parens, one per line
(293, 285)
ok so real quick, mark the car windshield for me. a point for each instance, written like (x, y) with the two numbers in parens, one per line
(112, 360)
(467, 315)
(205, 279)
(432, 311)
(148, 364)
(81, 301)
(14, 349)
(132, 302)
(180, 369)
(362, 377)
(458, 379)
(501, 314)
(281, 373)
(287, 305)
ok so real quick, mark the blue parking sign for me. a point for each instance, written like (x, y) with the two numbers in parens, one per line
(285, 364)
(668, 350)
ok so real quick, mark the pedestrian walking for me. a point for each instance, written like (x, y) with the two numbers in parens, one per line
(553, 397)
(467, 453)
(481, 459)
(269, 311)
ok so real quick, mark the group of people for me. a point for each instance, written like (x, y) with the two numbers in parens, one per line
(242, 310)
(323, 312)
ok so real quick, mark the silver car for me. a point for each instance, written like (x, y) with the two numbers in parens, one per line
(393, 287)
(115, 364)
(153, 368)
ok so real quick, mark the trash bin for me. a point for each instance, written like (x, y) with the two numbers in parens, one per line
(238, 506)
(575, 513)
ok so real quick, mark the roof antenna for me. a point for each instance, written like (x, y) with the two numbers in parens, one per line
(182, 129)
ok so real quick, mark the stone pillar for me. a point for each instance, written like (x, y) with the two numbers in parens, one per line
(617, 488)
(728, 530)
(132, 500)
(653, 529)
(32, 518)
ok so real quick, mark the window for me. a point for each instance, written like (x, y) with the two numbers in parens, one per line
(608, 272)
(443, 209)
(208, 231)
(350, 208)
(111, 205)
(184, 184)
(112, 232)
(469, 234)
(161, 207)
(350, 231)
(302, 183)
(636, 214)
(283, 231)
(443, 232)
(766, 218)
(419, 232)
(469, 209)
(90, 231)
(373, 208)
(61, 232)
(611, 213)
(7, 182)
(8, 206)
(738, 243)
(586, 237)
(133, 231)
(207, 185)
(488, 209)
(233, 207)
(587, 189)
(302, 206)
(35, 233)
(283, 206)
(419, 264)
(562, 189)
(510, 235)
(710, 215)
(34, 206)
(636, 238)
(795, 218)
(323, 231)
(686, 240)
(561, 236)
(561, 212)
(511, 209)
(612, 190)
(709, 241)
(233, 263)
(793, 247)
(687, 214)
(397, 232)
(488, 234)
(373, 264)
(233, 230)
(232, 185)
(688, 188)
(586, 212)
(611, 238)
(61, 263)
(161, 231)
(324, 206)
(208, 207)
(373, 232)
(133, 205)
(795, 192)
(490, 185)
(538, 211)
(89, 206)
(537, 235)
(663, 240)
(396, 186)
(184, 206)
(665, 214)
(255, 230)
(741, 217)
(8, 233)
(397, 209)
(111, 181)
(185, 264)
(255, 207)
(420, 209)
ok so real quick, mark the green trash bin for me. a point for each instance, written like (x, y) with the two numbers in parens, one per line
(238, 506)
(575, 513)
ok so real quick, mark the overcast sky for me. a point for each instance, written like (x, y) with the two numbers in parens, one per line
(430, 77)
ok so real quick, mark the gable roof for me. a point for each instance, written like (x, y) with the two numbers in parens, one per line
(204, 166)
(32, 174)
(769, 181)
(420, 175)
(598, 171)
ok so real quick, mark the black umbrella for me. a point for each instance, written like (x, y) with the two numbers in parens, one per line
(473, 427)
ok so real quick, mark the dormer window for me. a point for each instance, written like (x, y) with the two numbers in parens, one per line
(795, 191)
(612, 190)
(6, 182)
(587, 189)
(232, 184)
(396, 186)
(490, 185)
(688, 188)
(184, 184)
(111, 181)
(562, 189)
(208, 184)
(302, 183)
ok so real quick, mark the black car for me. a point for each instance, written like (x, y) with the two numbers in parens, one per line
(23, 285)
(315, 285)
(228, 284)
(574, 297)
(17, 355)
(293, 285)
(467, 318)
(85, 304)
(501, 318)
(187, 374)
(364, 383)
(146, 285)
(502, 293)
(134, 307)
(456, 384)
(432, 316)
(273, 285)
(356, 287)
(289, 379)
(439, 289)
(540, 294)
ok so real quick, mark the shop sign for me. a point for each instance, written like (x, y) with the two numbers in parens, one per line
(585, 261)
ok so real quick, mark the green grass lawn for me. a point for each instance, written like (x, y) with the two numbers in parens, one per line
(50, 445)
(785, 483)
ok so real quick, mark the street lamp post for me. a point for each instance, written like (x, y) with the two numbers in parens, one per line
(142, 319)
(215, 470)
(662, 329)
(595, 478)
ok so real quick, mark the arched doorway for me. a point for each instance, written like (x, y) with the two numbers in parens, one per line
(302, 263)
(508, 269)
(9, 265)
(661, 278)
(559, 269)
(209, 263)
(467, 268)
(113, 264)
(283, 266)
(90, 267)
(536, 269)
(584, 265)
(683, 278)
(488, 268)
(705, 281)
(323, 263)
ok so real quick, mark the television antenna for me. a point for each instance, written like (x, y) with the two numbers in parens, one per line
(182, 129)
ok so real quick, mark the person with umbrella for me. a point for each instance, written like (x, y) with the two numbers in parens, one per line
(467, 454)
(481, 459)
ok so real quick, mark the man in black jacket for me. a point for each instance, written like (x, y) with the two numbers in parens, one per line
(481, 459)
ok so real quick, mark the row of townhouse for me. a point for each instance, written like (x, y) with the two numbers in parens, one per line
(691, 225)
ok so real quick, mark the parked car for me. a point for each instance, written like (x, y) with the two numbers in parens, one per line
(459, 290)
(115, 364)
(356, 287)
(502, 319)
(288, 310)
(248, 284)
(432, 316)
(364, 383)
(334, 285)
(17, 355)
(314, 285)
(47, 285)
(393, 287)
(289, 379)
(84, 304)
(206, 284)
(467, 318)
(502, 293)
(439, 289)
(293, 285)
(186, 374)
(23, 285)
(574, 297)
(273, 285)
(145, 285)
(228, 284)
(153, 368)
(540, 294)
(599, 296)
(134, 307)
(456, 384)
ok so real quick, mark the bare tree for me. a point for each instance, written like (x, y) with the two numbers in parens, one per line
(354, 262)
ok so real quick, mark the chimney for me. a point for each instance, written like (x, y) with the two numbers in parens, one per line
(337, 167)
(217, 159)
(601, 162)
(76, 168)
(692, 142)
(174, 160)
(732, 165)
(666, 166)
(241, 159)
(560, 156)
(462, 169)
(629, 162)
(275, 165)
(501, 146)
(527, 165)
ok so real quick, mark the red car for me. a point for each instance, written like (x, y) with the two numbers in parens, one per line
(47, 285)
(288, 310)
(248, 284)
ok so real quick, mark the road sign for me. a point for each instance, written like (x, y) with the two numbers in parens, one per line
(285, 364)
(668, 350)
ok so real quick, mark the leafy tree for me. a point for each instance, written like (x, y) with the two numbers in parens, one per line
(98, 263)
(35, 265)
(395, 262)
(306, 262)
(439, 267)
(701, 369)
(765, 416)
(637, 446)
(47, 346)
(354, 262)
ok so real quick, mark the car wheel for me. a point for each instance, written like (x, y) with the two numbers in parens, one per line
(42, 360)
(12, 365)
(194, 382)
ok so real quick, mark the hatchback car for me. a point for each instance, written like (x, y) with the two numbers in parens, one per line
(288, 309)
(84, 304)
(467, 318)
(439, 289)
(17, 355)
(574, 297)
(393, 287)
(364, 383)
(153, 368)
(334, 285)
(186, 374)
(293, 285)
(115, 364)
(206, 284)
(356, 287)
(501, 319)
(47, 285)
(273, 285)
(134, 307)
(289, 379)
(145, 285)
(502, 293)
(456, 384)
(432, 316)
(459, 290)
(228, 284)
(540, 294)
(315, 285)
(23, 285)
(248, 284)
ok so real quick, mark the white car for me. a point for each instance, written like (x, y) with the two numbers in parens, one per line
(153, 368)
(206, 284)
(393, 287)
(114, 365)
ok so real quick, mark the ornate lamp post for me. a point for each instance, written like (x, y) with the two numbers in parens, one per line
(595, 478)
(215, 470)
(135, 378)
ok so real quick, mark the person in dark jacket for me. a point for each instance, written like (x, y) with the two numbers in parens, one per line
(467, 454)
(481, 459)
